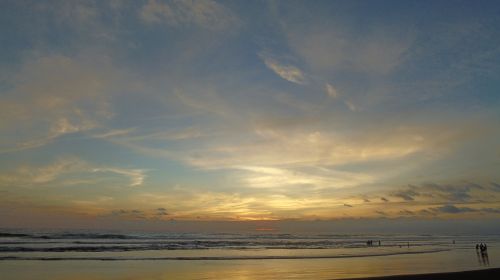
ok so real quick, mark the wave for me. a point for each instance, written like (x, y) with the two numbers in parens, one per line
(69, 236)
(280, 236)
(8, 234)
(183, 245)
(214, 258)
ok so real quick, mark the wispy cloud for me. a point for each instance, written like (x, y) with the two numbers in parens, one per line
(331, 91)
(42, 174)
(58, 171)
(285, 71)
(452, 209)
(136, 176)
(351, 106)
(47, 99)
(282, 147)
(206, 14)
(114, 133)
(333, 48)
(273, 177)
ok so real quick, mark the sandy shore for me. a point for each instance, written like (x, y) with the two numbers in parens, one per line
(474, 274)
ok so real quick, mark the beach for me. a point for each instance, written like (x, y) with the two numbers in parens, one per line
(105, 256)
(348, 268)
(474, 274)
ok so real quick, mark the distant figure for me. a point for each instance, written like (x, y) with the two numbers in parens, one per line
(486, 260)
(379, 243)
(408, 244)
(482, 254)
(453, 241)
(483, 247)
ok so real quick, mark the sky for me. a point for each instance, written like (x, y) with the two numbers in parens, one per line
(156, 112)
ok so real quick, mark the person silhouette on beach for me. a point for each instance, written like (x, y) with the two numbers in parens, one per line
(483, 247)
(479, 259)
(484, 257)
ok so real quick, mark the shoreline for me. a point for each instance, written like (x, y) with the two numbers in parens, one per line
(488, 273)
(214, 258)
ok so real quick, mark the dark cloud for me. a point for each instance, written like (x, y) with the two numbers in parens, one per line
(495, 186)
(134, 213)
(490, 210)
(450, 192)
(473, 185)
(452, 209)
(406, 212)
(384, 199)
(426, 212)
(381, 213)
(407, 194)
(366, 200)
(161, 212)
(458, 192)
(119, 212)
(347, 205)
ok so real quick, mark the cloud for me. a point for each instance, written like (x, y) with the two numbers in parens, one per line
(272, 177)
(161, 212)
(55, 95)
(61, 172)
(406, 212)
(490, 210)
(452, 209)
(347, 205)
(179, 135)
(136, 176)
(457, 192)
(408, 195)
(205, 14)
(276, 146)
(287, 72)
(351, 106)
(333, 48)
(28, 175)
(114, 133)
(495, 186)
(382, 213)
(384, 199)
(133, 213)
(331, 91)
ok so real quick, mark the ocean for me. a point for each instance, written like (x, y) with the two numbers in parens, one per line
(265, 255)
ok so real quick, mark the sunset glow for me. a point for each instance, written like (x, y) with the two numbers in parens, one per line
(115, 112)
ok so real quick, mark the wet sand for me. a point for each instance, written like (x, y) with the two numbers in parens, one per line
(416, 266)
(493, 273)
